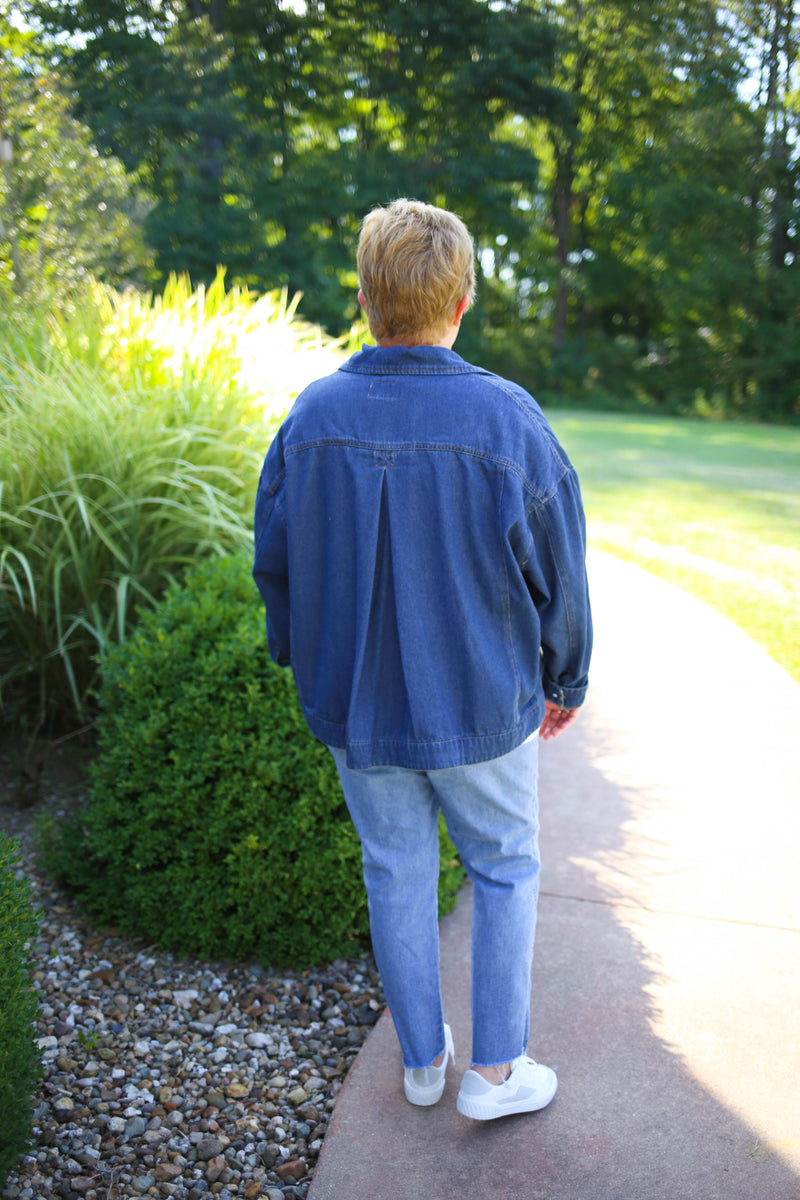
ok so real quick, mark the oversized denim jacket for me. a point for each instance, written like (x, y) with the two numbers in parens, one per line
(420, 550)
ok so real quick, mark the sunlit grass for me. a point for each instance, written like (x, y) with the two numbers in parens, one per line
(197, 339)
(713, 508)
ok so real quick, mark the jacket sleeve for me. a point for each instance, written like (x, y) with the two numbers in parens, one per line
(271, 561)
(556, 576)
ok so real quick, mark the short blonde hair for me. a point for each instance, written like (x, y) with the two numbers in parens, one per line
(415, 262)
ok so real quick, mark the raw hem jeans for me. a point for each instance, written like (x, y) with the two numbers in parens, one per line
(491, 811)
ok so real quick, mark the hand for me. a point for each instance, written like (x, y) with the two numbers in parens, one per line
(556, 720)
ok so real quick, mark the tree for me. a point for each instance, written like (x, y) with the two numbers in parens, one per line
(768, 34)
(649, 195)
(625, 67)
(66, 210)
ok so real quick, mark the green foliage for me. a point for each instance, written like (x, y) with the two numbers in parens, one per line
(66, 212)
(216, 822)
(19, 1056)
(132, 430)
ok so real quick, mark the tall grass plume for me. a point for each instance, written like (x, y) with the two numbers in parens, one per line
(132, 429)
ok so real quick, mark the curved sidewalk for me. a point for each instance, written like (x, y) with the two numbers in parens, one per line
(666, 983)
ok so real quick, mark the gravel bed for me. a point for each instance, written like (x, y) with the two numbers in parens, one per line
(172, 1077)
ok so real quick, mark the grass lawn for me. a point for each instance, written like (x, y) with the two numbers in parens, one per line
(713, 508)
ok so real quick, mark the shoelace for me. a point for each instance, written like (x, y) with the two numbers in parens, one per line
(523, 1058)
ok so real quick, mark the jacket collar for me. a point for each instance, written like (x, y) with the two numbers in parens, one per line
(408, 360)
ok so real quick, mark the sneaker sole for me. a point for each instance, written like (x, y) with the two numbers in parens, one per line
(478, 1110)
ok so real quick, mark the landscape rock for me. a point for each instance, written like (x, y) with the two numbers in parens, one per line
(134, 1099)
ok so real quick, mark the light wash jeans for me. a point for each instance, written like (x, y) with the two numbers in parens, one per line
(491, 810)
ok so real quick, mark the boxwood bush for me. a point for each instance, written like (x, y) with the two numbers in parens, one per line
(19, 1055)
(215, 823)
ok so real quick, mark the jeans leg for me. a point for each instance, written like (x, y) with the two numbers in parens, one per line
(396, 816)
(491, 811)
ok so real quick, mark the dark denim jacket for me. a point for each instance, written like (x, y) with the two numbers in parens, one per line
(420, 551)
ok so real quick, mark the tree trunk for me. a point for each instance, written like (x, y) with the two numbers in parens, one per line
(564, 141)
(562, 211)
(782, 179)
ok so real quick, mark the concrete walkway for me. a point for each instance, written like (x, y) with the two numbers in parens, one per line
(666, 986)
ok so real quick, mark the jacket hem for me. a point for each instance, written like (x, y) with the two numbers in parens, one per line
(425, 756)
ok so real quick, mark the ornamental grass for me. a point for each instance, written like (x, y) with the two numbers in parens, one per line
(132, 430)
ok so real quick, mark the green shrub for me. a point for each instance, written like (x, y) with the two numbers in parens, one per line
(216, 824)
(19, 1056)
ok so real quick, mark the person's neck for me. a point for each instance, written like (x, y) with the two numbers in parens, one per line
(445, 343)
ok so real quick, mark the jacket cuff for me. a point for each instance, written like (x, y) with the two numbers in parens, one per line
(564, 697)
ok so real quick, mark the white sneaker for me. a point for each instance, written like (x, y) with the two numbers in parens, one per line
(528, 1088)
(424, 1085)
